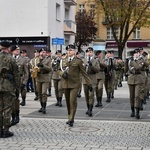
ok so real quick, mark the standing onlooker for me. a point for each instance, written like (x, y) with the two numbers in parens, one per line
(71, 67)
(9, 82)
(43, 79)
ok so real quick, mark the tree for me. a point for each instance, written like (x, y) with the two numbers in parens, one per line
(86, 29)
(125, 15)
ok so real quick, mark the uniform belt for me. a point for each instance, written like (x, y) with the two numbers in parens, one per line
(136, 73)
(43, 73)
(101, 70)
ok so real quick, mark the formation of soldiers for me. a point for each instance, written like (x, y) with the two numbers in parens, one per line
(69, 73)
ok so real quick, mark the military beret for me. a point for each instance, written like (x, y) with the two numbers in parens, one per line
(70, 46)
(89, 49)
(58, 51)
(42, 49)
(145, 53)
(36, 51)
(63, 54)
(78, 53)
(136, 50)
(98, 52)
(23, 51)
(140, 48)
(4, 44)
(14, 47)
(49, 51)
(110, 51)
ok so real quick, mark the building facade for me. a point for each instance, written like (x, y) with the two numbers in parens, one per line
(35, 24)
(105, 40)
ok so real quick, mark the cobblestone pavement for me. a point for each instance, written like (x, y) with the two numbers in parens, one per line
(33, 133)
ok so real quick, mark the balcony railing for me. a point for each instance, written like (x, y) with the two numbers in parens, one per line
(70, 2)
(69, 27)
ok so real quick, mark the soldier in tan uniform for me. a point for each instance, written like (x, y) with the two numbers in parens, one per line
(49, 55)
(70, 68)
(100, 79)
(135, 81)
(92, 68)
(24, 73)
(43, 79)
(9, 83)
(34, 70)
(57, 78)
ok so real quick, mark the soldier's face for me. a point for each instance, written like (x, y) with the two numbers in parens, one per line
(43, 54)
(16, 52)
(70, 52)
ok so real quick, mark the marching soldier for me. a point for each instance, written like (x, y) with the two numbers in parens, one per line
(100, 79)
(34, 71)
(49, 55)
(44, 68)
(92, 68)
(142, 57)
(70, 68)
(109, 75)
(57, 79)
(9, 83)
(135, 81)
(24, 73)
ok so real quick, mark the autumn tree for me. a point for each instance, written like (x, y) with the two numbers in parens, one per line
(126, 16)
(86, 29)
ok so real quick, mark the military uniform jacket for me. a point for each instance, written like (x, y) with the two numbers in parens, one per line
(92, 70)
(23, 69)
(9, 76)
(43, 74)
(135, 76)
(56, 66)
(75, 67)
(101, 74)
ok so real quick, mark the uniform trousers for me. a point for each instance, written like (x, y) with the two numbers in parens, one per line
(6, 103)
(99, 88)
(135, 91)
(42, 91)
(58, 87)
(71, 101)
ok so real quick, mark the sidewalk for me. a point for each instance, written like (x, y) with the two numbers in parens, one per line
(111, 127)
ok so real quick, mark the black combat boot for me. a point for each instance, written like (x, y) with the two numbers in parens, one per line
(7, 134)
(108, 98)
(57, 104)
(112, 94)
(23, 103)
(17, 119)
(133, 112)
(36, 96)
(1, 133)
(90, 110)
(60, 101)
(79, 93)
(99, 102)
(141, 105)
(87, 109)
(40, 110)
(137, 113)
(13, 116)
(49, 92)
(44, 108)
(144, 101)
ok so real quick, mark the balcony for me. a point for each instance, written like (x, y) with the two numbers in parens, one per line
(69, 27)
(70, 2)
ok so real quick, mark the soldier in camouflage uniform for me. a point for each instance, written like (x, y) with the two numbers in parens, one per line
(9, 82)
(24, 73)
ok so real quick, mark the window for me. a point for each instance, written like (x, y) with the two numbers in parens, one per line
(57, 12)
(136, 33)
(92, 10)
(81, 7)
(110, 34)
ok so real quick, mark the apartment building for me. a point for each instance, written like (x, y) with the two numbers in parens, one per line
(105, 40)
(35, 24)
